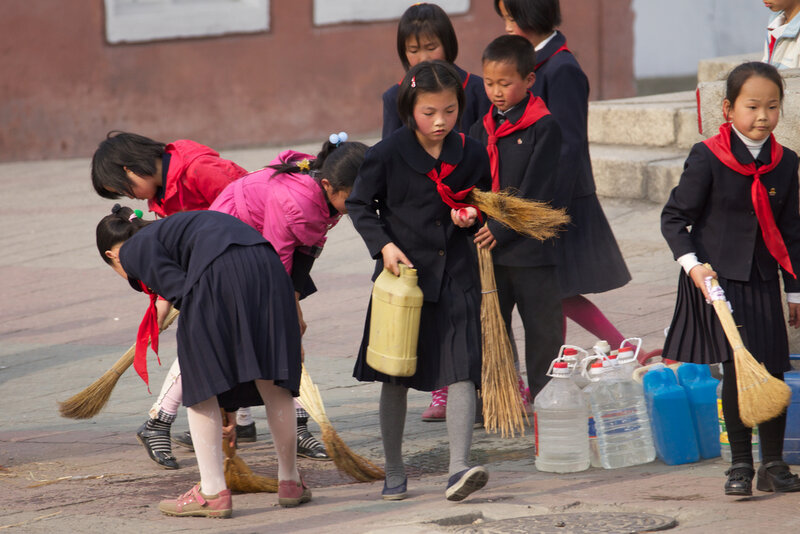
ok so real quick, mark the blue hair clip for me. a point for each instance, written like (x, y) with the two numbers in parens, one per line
(338, 139)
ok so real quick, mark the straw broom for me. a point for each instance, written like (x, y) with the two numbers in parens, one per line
(761, 396)
(502, 406)
(238, 476)
(527, 217)
(90, 401)
(346, 460)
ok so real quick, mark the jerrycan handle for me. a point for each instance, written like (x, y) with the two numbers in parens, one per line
(586, 364)
(561, 351)
(633, 341)
(638, 374)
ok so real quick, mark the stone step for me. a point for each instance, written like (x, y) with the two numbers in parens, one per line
(646, 173)
(717, 68)
(667, 120)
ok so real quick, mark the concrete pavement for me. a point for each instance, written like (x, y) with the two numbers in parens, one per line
(65, 318)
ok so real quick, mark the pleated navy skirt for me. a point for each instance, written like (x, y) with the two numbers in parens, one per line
(696, 335)
(449, 347)
(238, 324)
(589, 259)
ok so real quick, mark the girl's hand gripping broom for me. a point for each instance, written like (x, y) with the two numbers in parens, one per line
(761, 396)
(346, 460)
(90, 401)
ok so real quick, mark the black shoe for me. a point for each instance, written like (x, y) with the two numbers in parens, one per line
(309, 447)
(246, 433)
(775, 476)
(184, 440)
(160, 439)
(740, 480)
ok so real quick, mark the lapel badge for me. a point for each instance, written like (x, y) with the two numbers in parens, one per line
(772, 192)
(519, 140)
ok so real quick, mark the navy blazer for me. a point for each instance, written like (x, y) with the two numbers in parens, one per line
(476, 104)
(529, 162)
(716, 202)
(563, 86)
(170, 255)
(394, 201)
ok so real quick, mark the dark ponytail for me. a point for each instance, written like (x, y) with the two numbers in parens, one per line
(117, 228)
(338, 162)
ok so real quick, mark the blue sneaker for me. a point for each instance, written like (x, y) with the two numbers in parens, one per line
(465, 482)
(397, 493)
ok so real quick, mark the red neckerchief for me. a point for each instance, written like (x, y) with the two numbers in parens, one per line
(562, 48)
(449, 197)
(148, 331)
(771, 45)
(534, 110)
(720, 146)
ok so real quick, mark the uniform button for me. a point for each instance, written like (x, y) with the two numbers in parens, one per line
(438, 222)
(752, 212)
(441, 253)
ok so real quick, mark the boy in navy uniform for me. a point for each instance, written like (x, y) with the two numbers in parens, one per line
(524, 145)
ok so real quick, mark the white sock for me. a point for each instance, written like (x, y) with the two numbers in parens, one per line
(283, 427)
(205, 424)
(244, 416)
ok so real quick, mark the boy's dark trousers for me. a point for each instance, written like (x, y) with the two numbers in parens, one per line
(535, 292)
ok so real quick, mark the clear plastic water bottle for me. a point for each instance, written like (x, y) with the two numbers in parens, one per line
(627, 355)
(724, 443)
(595, 374)
(574, 356)
(559, 420)
(624, 437)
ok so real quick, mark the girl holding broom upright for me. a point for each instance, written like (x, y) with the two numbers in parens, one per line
(739, 194)
(238, 332)
(405, 204)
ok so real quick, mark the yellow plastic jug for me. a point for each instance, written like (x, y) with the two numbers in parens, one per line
(394, 323)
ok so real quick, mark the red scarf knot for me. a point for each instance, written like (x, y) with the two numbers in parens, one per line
(148, 332)
(720, 146)
(448, 196)
(534, 110)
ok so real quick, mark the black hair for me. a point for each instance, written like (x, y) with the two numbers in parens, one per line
(745, 71)
(427, 77)
(337, 163)
(426, 19)
(538, 16)
(119, 150)
(117, 227)
(514, 50)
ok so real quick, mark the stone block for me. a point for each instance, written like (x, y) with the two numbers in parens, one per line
(717, 68)
(661, 177)
(622, 171)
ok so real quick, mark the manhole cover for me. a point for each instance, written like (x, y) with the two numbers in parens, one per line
(577, 523)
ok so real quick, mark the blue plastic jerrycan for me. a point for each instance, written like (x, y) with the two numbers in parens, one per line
(791, 440)
(701, 388)
(670, 418)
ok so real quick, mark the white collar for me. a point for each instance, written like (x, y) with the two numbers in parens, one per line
(753, 146)
(544, 43)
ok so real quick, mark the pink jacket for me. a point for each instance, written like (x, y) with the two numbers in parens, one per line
(290, 210)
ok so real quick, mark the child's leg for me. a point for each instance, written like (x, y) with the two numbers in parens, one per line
(155, 432)
(739, 435)
(437, 410)
(244, 416)
(307, 445)
(459, 424)
(589, 317)
(205, 424)
(283, 426)
(393, 406)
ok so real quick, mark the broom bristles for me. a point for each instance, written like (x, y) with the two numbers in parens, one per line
(345, 459)
(530, 218)
(239, 477)
(503, 409)
(90, 401)
(761, 396)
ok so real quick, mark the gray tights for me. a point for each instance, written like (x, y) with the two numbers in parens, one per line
(460, 418)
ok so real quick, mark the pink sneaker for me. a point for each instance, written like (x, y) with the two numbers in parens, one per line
(291, 493)
(194, 503)
(437, 411)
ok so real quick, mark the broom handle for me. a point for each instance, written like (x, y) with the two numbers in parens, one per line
(127, 359)
(726, 318)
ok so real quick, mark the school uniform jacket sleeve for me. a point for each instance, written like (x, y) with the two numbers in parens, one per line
(370, 184)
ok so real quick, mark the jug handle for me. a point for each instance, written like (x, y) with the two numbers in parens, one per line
(586, 364)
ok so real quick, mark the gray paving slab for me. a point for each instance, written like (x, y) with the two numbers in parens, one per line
(65, 318)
